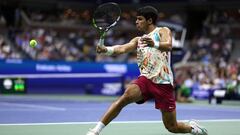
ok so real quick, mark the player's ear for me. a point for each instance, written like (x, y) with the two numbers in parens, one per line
(149, 21)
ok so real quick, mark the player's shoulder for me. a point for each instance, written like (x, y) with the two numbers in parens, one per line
(166, 29)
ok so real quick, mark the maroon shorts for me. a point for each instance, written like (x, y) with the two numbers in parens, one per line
(163, 94)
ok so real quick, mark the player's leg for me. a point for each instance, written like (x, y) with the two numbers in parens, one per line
(165, 101)
(131, 94)
(171, 124)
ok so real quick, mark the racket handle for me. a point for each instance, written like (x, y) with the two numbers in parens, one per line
(102, 36)
(101, 42)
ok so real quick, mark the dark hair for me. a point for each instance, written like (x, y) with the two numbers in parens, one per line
(148, 12)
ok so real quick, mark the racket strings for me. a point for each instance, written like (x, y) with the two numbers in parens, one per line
(106, 16)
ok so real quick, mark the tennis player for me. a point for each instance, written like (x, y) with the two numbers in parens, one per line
(156, 79)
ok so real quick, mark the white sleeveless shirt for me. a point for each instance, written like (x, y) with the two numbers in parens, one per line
(153, 63)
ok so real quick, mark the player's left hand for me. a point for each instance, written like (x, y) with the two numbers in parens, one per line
(147, 40)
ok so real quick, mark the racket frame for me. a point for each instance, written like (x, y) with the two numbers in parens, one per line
(103, 31)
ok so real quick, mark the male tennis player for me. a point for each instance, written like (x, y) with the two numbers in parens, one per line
(156, 79)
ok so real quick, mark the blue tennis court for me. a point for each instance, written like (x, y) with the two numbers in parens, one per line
(68, 114)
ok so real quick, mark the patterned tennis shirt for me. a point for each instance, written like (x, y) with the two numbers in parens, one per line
(153, 63)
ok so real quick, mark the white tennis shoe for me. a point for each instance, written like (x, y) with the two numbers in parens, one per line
(92, 132)
(197, 129)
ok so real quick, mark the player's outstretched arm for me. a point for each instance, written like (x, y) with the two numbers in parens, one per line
(118, 49)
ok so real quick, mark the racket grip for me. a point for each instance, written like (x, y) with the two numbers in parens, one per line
(101, 42)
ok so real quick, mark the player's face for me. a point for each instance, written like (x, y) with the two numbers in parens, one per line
(141, 23)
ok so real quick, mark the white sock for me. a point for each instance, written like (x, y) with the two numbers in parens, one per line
(99, 127)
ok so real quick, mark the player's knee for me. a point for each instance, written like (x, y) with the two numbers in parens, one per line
(128, 97)
(122, 101)
(131, 94)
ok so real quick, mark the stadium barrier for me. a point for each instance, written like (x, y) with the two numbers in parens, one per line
(23, 76)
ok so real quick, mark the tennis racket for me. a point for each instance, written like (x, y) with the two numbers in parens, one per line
(105, 17)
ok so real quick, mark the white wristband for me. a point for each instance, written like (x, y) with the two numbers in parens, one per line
(156, 45)
(110, 51)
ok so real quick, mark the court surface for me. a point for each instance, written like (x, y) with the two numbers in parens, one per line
(74, 115)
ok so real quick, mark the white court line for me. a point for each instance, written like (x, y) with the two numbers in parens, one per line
(34, 106)
(114, 122)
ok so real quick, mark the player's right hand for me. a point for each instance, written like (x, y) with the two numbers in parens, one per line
(146, 40)
(101, 49)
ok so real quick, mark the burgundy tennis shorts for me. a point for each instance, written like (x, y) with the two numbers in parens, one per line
(163, 94)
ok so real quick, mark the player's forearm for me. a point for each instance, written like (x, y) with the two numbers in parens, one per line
(118, 49)
(125, 48)
(115, 50)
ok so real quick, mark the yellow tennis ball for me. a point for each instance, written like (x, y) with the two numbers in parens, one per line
(33, 43)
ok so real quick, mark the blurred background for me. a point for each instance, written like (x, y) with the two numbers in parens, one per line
(205, 56)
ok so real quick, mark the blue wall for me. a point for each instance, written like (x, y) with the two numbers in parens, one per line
(95, 85)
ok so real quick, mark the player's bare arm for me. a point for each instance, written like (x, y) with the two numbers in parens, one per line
(165, 43)
(119, 49)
